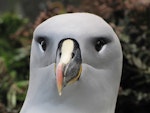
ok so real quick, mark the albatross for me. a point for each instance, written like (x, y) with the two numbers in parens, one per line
(75, 66)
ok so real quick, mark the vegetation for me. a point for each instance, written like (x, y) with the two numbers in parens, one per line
(130, 20)
(14, 61)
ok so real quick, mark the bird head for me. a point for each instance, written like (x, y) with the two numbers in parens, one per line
(72, 40)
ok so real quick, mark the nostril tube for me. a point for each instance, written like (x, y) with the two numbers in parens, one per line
(73, 55)
(60, 54)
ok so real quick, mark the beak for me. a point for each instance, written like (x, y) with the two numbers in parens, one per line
(68, 64)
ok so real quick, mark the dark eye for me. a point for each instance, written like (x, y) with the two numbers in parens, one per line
(99, 44)
(42, 42)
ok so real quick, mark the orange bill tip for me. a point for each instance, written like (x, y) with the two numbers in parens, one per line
(59, 78)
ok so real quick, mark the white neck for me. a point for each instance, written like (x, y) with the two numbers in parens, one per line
(85, 96)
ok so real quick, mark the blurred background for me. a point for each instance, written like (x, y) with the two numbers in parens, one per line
(129, 18)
